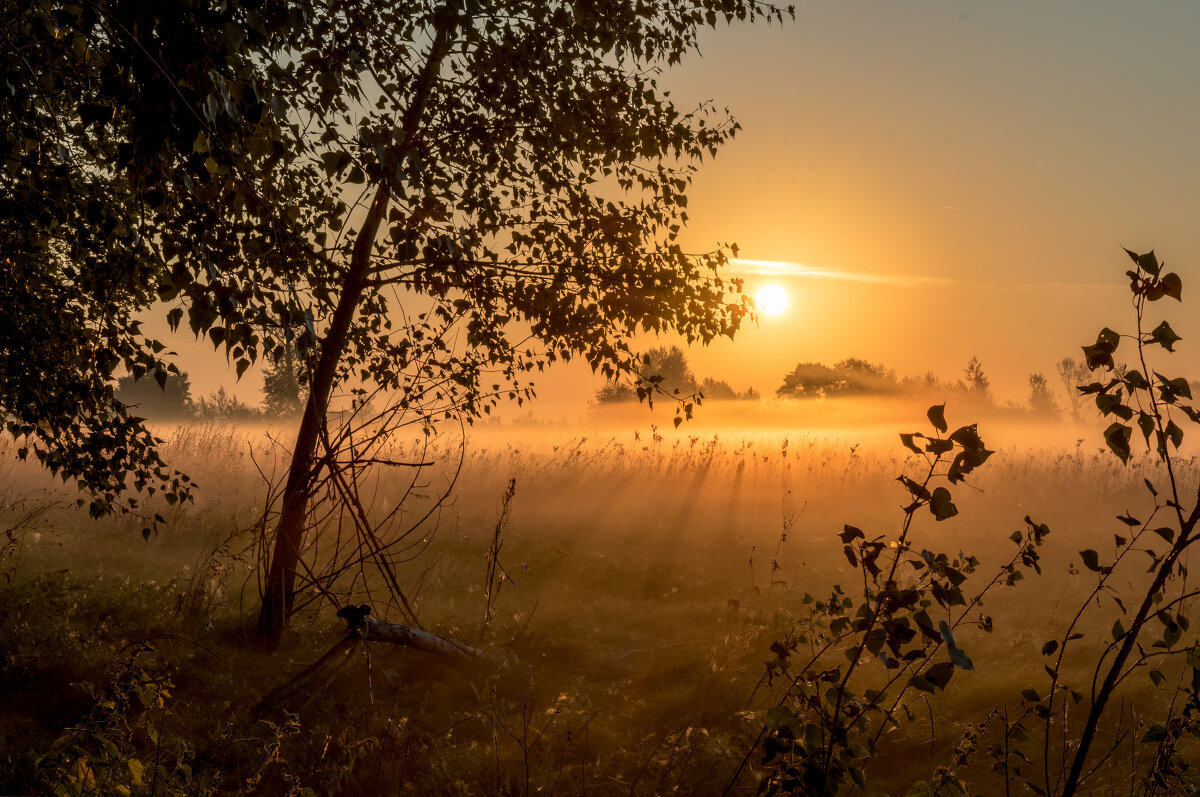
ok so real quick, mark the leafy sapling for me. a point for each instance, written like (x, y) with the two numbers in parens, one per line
(852, 664)
(1149, 632)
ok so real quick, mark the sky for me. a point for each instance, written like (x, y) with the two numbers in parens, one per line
(963, 175)
(931, 181)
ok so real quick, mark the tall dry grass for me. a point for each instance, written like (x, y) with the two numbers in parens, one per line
(647, 573)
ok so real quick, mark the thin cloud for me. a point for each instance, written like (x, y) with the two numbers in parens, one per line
(783, 268)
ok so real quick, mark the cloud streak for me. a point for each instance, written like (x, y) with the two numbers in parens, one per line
(787, 269)
(783, 268)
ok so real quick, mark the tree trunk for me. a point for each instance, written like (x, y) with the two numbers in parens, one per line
(379, 631)
(280, 589)
(279, 592)
(1100, 701)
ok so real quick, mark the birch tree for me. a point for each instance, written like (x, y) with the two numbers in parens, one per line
(443, 198)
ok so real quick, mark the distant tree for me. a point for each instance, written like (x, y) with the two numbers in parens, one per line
(667, 366)
(282, 394)
(923, 385)
(976, 380)
(664, 367)
(850, 377)
(721, 390)
(146, 398)
(1041, 400)
(224, 406)
(864, 378)
(808, 380)
(718, 389)
(1074, 373)
(615, 392)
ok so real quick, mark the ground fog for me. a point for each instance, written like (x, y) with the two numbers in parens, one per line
(647, 571)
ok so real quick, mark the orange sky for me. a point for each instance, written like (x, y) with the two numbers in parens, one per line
(960, 175)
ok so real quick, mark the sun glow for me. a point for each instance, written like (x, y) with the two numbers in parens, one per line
(771, 299)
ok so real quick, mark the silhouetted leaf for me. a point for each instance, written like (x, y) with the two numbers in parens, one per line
(1091, 560)
(960, 658)
(1108, 404)
(1164, 336)
(850, 533)
(938, 447)
(1155, 733)
(1146, 424)
(1166, 533)
(1134, 380)
(1172, 285)
(1170, 390)
(934, 677)
(968, 437)
(1174, 434)
(940, 504)
(1099, 354)
(1148, 262)
(937, 417)
(1117, 437)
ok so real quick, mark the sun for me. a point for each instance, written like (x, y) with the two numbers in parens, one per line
(771, 299)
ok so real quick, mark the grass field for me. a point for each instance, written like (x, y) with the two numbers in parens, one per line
(648, 575)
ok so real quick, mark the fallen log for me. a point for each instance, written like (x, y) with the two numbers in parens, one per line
(374, 630)
(359, 621)
(362, 627)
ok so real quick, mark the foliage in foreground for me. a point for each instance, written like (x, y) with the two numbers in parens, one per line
(831, 713)
(830, 717)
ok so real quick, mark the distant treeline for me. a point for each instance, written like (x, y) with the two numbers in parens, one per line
(855, 378)
(283, 393)
(858, 378)
(283, 396)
